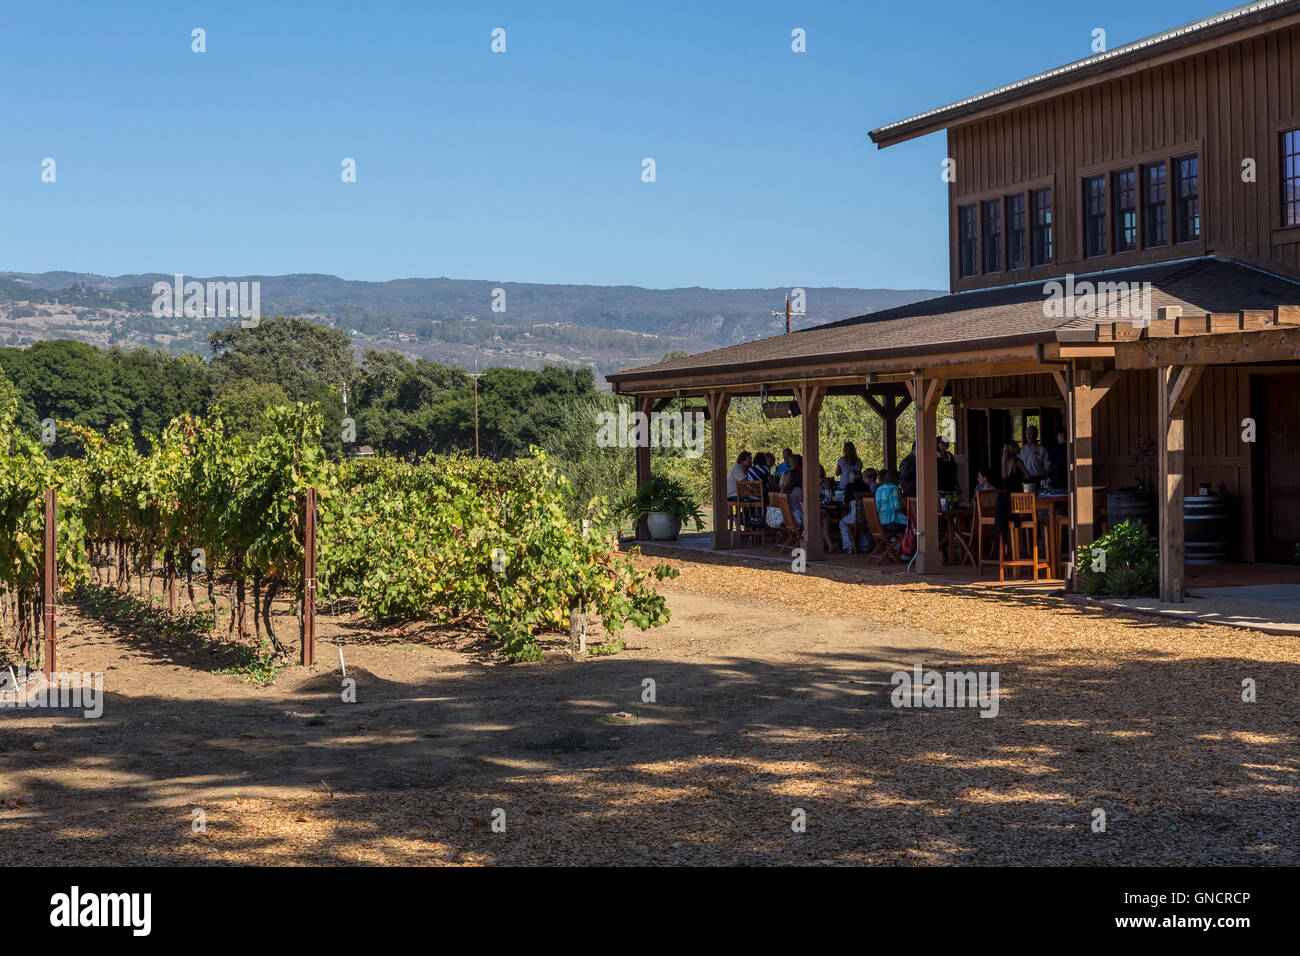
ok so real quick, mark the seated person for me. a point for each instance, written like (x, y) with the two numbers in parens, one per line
(984, 480)
(790, 486)
(739, 472)
(758, 469)
(854, 487)
(872, 478)
(889, 504)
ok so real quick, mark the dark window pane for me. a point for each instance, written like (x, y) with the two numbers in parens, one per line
(1016, 232)
(1094, 216)
(1125, 215)
(1040, 210)
(1291, 178)
(992, 236)
(1155, 206)
(1187, 199)
(967, 240)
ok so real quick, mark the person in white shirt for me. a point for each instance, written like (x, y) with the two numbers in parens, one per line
(739, 472)
(1034, 456)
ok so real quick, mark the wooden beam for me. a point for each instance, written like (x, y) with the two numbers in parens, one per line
(1062, 383)
(929, 558)
(1181, 387)
(1170, 496)
(1279, 344)
(718, 403)
(1087, 390)
(810, 398)
(644, 404)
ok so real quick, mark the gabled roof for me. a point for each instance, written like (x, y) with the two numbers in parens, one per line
(1189, 34)
(982, 319)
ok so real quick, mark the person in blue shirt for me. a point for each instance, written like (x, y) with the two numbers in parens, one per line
(889, 504)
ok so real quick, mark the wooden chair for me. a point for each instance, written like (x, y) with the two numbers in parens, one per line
(859, 518)
(1024, 517)
(882, 545)
(986, 517)
(790, 535)
(749, 514)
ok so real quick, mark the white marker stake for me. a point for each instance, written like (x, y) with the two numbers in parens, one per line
(341, 664)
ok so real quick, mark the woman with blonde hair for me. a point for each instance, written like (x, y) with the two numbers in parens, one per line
(1013, 469)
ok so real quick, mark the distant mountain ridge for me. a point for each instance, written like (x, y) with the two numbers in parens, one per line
(448, 320)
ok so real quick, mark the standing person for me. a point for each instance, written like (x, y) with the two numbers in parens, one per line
(947, 470)
(1013, 470)
(1034, 457)
(906, 474)
(1058, 457)
(889, 504)
(786, 456)
(848, 461)
(739, 472)
(855, 487)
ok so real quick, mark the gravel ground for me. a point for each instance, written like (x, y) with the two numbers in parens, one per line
(772, 706)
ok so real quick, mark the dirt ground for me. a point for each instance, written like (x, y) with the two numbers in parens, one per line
(772, 696)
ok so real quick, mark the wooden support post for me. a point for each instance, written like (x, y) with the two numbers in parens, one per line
(810, 399)
(1175, 386)
(927, 392)
(51, 596)
(644, 404)
(718, 403)
(309, 579)
(1086, 392)
(888, 403)
(169, 573)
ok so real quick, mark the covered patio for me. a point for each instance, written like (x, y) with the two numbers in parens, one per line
(1176, 359)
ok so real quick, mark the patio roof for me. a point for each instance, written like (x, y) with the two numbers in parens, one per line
(975, 322)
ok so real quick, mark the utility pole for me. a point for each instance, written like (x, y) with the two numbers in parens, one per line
(787, 314)
(475, 376)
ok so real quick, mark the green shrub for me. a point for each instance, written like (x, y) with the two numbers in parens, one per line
(1124, 562)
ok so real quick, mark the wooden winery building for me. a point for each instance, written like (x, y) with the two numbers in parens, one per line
(1124, 247)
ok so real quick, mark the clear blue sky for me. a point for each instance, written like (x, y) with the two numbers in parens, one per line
(523, 166)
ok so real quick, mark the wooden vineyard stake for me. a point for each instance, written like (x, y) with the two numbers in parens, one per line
(309, 580)
(51, 579)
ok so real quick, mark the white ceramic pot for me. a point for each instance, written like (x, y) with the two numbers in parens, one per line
(663, 526)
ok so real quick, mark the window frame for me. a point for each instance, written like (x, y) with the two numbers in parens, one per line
(1034, 228)
(1177, 199)
(1116, 212)
(1284, 180)
(1101, 218)
(1145, 206)
(975, 239)
(990, 245)
(1023, 231)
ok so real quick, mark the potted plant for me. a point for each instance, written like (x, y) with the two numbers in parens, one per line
(665, 503)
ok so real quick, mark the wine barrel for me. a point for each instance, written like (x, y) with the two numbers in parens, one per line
(1207, 528)
(1133, 506)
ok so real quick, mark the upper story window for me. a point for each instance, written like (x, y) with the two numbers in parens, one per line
(967, 241)
(1291, 178)
(1016, 231)
(1124, 195)
(1040, 212)
(1094, 216)
(992, 210)
(1155, 208)
(1187, 199)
